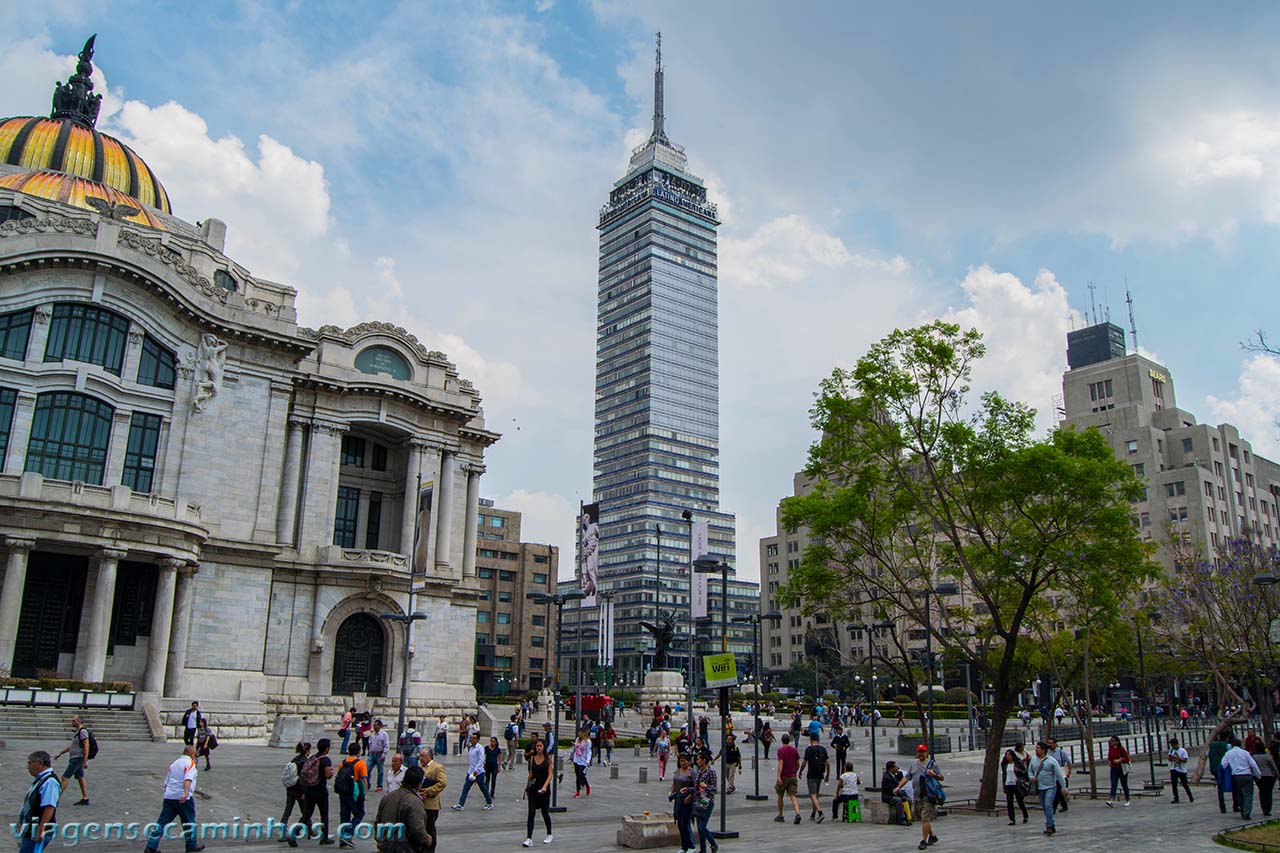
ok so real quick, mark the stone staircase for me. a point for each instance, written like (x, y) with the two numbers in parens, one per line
(52, 726)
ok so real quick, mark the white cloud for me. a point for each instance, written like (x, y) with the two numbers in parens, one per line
(788, 250)
(1025, 332)
(546, 517)
(1254, 406)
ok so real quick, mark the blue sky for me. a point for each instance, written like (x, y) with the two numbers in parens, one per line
(440, 165)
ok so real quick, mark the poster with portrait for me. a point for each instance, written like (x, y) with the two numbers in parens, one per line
(421, 527)
(589, 551)
(699, 547)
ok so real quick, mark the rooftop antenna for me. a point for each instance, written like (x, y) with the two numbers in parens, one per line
(1133, 326)
(1106, 304)
(659, 118)
(1093, 303)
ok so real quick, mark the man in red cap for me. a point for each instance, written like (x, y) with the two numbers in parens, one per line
(926, 806)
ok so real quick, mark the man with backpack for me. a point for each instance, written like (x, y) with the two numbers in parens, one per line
(816, 770)
(512, 735)
(314, 778)
(928, 794)
(410, 744)
(293, 790)
(83, 749)
(40, 805)
(351, 784)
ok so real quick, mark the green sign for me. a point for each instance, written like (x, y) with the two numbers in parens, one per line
(720, 670)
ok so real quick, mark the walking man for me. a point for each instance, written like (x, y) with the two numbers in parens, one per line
(395, 772)
(379, 743)
(512, 735)
(1243, 770)
(1064, 761)
(434, 780)
(1178, 769)
(40, 805)
(191, 719)
(840, 743)
(314, 777)
(787, 784)
(926, 809)
(817, 771)
(78, 760)
(401, 812)
(350, 783)
(732, 763)
(179, 801)
(475, 775)
(1048, 777)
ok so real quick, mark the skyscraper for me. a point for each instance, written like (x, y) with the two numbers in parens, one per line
(657, 433)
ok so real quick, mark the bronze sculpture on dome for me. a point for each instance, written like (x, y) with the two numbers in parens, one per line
(75, 99)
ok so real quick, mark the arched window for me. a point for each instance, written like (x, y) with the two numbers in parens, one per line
(357, 656)
(383, 360)
(9, 212)
(225, 280)
(80, 332)
(15, 328)
(69, 437)
(155, 364)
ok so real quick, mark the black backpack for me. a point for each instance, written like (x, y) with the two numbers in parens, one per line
(344, 781)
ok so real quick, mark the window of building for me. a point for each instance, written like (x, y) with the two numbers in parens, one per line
(497, 521)
(69, 437)
(485, 595)
(540, 620)
(352, 451)
(8, 212)
(502, 661)
(373, 526)
(1208, 490)
(140, 454)
(482, 638)
(536, 663)
(344, 522)
(377, 359)
(487, 553)
(1187, 445)
(1140, 469)
(1131, 446)
(506, 576)
(1216, 446)
(502, 640)
(508, 555)
(487, 574)
(540, 558)
(504, 596)
(1248, 480)
(156, 365)
(8, 402)
(87, 333)
(482, 616)
(1222, 493)
(15, 329)
(1146, 519)
(378, 460)
(225, 280)
(504, 618)
(537, 641)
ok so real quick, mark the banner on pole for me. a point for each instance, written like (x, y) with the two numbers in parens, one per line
(605, 634)
(720, 670)
(589, 552)
(421, 526)
(699, 546)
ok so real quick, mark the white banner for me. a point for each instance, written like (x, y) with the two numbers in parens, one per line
(588, 551)
(699, 547)
(605, 633)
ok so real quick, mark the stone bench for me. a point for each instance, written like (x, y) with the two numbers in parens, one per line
(874, 811)
(652, 830)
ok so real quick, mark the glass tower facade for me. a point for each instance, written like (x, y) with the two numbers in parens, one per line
(657, 430)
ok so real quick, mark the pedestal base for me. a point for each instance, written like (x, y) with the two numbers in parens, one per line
(664, 687)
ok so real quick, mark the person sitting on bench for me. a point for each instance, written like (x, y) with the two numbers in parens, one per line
(888, 784)
(846, 790)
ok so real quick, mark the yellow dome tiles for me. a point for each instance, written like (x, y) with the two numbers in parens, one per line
(78, 192)
(63, 145)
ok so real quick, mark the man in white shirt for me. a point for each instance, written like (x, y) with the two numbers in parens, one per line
(847, 786)
(395, 773)
(379, 743)
(1178, 769)
(1243, 770)
(475, 775)
(179, 801)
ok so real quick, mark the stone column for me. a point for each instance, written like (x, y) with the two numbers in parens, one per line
(411, 470)
(121, 423)
(473, 511)
(444, 533)
(431, 457)
(100, 608)
(24, 413)
(15, 580)
(176, 669)
(161, 623)
(287, 515)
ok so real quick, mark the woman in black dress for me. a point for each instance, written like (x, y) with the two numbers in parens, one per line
(538, 791)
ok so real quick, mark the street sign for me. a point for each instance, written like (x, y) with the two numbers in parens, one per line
(1273, 631)
(720, 670)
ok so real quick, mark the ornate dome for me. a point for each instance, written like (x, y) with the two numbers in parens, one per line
(67, 142)
(78, 192)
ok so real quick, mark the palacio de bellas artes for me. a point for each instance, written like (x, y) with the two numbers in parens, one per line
(199, 497)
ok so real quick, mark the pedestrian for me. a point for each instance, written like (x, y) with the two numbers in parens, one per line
(401, 819)
(434, 781)
(663, 747)
(1267, 782)
(461, 745)
(77, 753)
(1178, 758)
(816, 771)
(890, 783)
(205, 743)
(475, 776)
(410, 744)
(314, 777)
(840, 743)
(766, 738)
(1047, 776)
(703, 788)
(787, 784)
(926, 805)
(512, 735)
(1243, 770)
(40, 804)
(442, 737)
(1064, 761)
(595, 731)
(1014, 776)
(682, 810)
(365, 729)
(1222, 781)
(1252, 743)
(190, 722)
(1120, 763)
(652, 734)
(379, 743)
(608, 738)
(395, 772)
(344, 728)
(732, 763)
(847, 787)
(492, 763)
(581, 758)
(179, 801)
(293, 790)
(899, 718)
(1185, 717)
(537, 791)
(351, 784)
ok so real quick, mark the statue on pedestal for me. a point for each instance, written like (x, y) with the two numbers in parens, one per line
(663, 633)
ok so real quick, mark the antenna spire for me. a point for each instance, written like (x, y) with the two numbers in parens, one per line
(1133, 326)
(659, 118)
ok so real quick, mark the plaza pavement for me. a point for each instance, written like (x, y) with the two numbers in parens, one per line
(126, 782)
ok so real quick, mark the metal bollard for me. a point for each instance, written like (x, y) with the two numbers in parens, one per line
(644, 775)
(637, 749)
(613, 771)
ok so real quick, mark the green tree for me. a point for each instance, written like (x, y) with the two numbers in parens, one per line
(913, 488)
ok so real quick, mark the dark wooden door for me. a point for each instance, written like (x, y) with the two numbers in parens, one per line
(50, 619)
(358, 656)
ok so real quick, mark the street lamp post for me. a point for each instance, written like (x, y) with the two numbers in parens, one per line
(1151, 785)
(406, 619)
(940, 589)
(871, 628)
(558, 599)
(687, 515)
(708, 565)
(755, 619)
